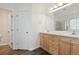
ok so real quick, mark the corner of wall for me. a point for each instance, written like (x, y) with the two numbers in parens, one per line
(31, 49)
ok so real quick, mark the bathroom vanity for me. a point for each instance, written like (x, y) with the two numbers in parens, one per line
(60, 43)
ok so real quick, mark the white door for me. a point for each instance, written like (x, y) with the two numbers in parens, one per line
(10, 18)
(5, 24)
(21, 30)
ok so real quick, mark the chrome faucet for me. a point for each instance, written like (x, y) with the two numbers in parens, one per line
(74, 33)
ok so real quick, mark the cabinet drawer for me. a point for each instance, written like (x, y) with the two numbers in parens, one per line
(53, 51)
(53, 38)
(75, 41)
(53, 42)
(53, 46)
(66, 39)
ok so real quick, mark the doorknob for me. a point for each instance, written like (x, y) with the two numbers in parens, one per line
(11, 29)
(8, 31)
(26, 32)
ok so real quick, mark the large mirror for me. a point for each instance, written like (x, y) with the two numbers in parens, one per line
(67, 18)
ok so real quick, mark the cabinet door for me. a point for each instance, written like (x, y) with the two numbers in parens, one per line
(44, 41)
(64, 46)
(53, 44)
(75, 47)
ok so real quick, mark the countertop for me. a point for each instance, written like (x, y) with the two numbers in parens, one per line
(63, 33)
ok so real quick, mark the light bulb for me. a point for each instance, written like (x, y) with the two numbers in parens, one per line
(60, 4)
(55, 6)
(51, 8)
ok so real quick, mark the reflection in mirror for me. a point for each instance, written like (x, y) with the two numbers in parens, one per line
(67, 19)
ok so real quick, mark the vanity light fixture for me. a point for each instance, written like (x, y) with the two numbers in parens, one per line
(55, 6)
(51, 8)
(58, 6)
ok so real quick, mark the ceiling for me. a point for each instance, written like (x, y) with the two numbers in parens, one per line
(43, 7)
(36, 6)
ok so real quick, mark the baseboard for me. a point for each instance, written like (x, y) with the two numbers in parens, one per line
(4, 44)
(15, 48)
(33, 48)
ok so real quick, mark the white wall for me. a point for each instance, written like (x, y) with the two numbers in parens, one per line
(41, 22)
(20, 12)
(37, 20)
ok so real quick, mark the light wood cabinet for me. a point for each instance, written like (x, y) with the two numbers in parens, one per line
(49, 43)
(44, 41)
(75, 47)
(59, 45)
(65, 45)
(53, 44)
